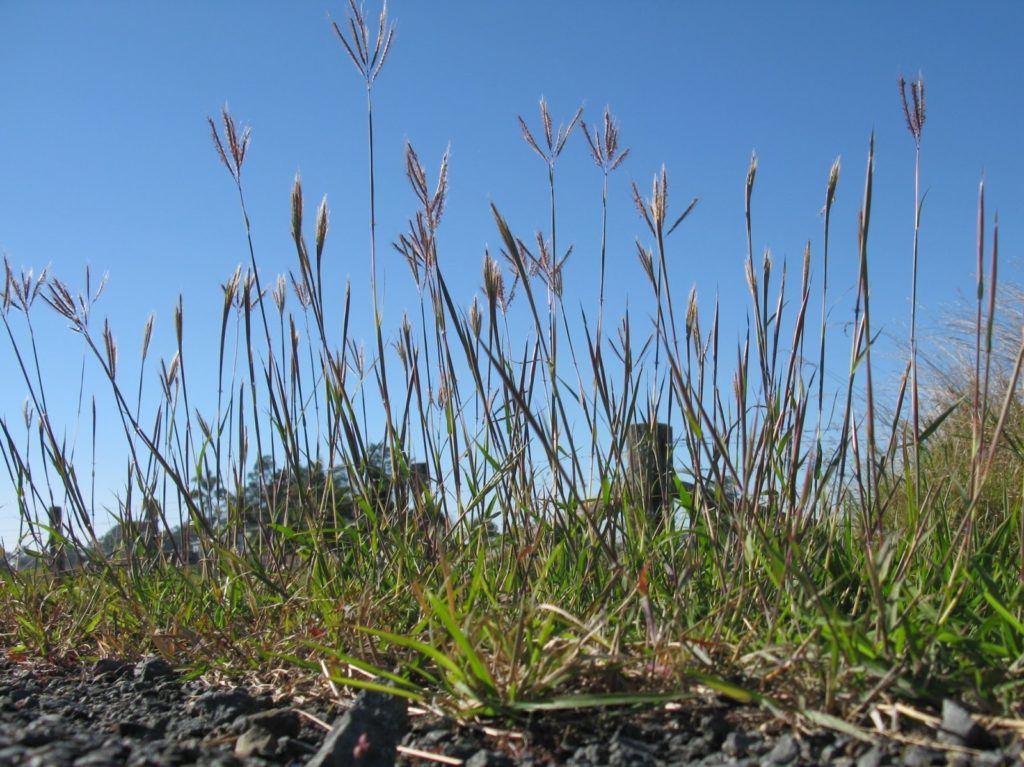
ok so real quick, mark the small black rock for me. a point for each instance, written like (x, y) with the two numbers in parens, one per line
(959, 728)
(132, 729)
(224, 705)
(714, 728)
(368, 734)
(487, 758)
(741, 743)
(786, 750)
(152, 668)
(277, 721)
(109, 670)
(874, 757)
(919, 756)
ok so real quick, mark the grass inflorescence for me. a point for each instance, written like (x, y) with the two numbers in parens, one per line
(515, 538)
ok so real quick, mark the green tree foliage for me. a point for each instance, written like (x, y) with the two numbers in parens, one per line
(308, 497)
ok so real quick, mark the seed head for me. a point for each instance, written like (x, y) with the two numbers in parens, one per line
(554, 140)
(369, 63)
(691, 312)
(494, 282)
(301, 292)
(321, 227)
(178, 319)
(280, 293)
(748, 269)
(751, 175)
(110, 345)
(171, 373)
(475, 317)
(147, 334)
(833, 182)
(230, 288)
(646, 261)
(237, 144)
(604, 149)
(913, 109)
(60, 300)
(444, 390)
(204, 425)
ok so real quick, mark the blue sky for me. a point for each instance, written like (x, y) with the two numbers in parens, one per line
(106, 158)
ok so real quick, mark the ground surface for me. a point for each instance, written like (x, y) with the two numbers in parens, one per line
(117, 713)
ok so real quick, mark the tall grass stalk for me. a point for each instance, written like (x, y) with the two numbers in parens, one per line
(369, 63)
(914, 113)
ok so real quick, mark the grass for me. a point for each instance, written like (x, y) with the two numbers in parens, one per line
(498, 552)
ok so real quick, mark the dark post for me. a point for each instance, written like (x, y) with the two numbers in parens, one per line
(419, 477)
(650, 464)
(58, 557)
(149, 524)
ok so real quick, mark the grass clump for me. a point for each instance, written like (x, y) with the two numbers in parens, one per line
(517, 538)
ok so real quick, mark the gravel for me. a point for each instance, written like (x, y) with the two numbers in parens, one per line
(145, 714)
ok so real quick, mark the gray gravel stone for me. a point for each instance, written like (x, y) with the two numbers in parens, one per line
(841, 761)
(487, 758)
(961, 729)
(919, 756)
(714, 728)
(102, 757)
(255, 742)
(741, 743)
(785, 751)
(993, 759)
(367, 734)
(875, 756)
(224, 705)
(152, 668)
(13, 755)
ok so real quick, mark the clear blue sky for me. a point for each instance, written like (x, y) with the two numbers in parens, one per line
(106, 158)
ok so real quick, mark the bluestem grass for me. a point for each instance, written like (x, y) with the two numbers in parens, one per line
(914, 113)
(604, 148)
(369, 63)
(510, 577)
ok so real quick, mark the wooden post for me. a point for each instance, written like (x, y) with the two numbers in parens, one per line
(649, 449)
(149, 525)
(426, 518)
(405, 491)
(419, 478)
(58, 557)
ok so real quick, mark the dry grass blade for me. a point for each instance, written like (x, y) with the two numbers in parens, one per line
(429, 756)
(682, 216)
